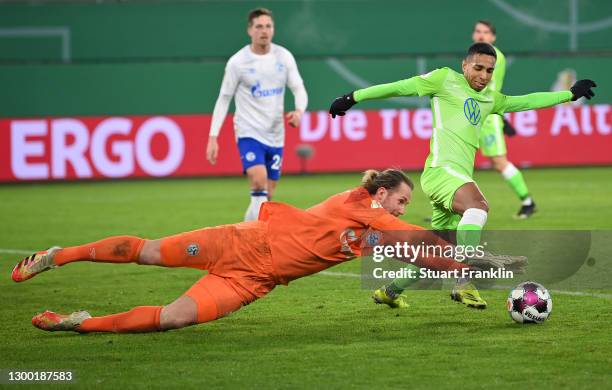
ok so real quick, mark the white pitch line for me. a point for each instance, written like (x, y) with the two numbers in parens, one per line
(581, 294)
(355, 276)
(340, 274)
(562, 292)
(17, 251)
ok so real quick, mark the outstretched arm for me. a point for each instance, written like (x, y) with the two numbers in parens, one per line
(407, 87)
(342, 104)
(397, 231)
(426, 84)
(534, 101)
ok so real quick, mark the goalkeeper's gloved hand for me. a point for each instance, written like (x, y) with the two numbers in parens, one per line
(582, 88)
(509, 130)
(342, 104)
(516, 264)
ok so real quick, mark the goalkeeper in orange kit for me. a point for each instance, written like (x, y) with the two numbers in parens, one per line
(245, 261)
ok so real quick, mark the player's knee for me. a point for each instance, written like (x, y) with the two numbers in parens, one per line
(482, 205)
(179, 314)
(259, 184)
(176, 319)
(258, 177)
(150, 254)
(499, 163)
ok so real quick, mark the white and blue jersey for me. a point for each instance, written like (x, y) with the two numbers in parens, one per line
(258, 83)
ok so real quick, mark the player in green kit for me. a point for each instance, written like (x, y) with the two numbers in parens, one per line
(492, 141)
(460, 103)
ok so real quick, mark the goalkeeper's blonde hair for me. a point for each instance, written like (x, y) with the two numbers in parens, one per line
(389, 178)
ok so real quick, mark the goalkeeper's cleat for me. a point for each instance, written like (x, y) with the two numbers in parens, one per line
(52, 322)
(467, 294)
(398, 301)
(526, 211)
(34, 264)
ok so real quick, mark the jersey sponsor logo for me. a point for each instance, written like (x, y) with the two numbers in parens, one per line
(471, 109)
(373, 238)
(258, 92)
(87, 147)
(193, 250)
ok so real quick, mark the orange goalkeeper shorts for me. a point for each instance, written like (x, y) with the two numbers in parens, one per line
(238, 261)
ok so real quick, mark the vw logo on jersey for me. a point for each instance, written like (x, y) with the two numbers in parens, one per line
(471, 109)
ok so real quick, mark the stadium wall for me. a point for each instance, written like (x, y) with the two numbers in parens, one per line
(187, 29)
(135, 60)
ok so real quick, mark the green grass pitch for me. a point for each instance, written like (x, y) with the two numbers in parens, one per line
(320, 332)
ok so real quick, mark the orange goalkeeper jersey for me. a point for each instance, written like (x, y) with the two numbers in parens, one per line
(303, 242)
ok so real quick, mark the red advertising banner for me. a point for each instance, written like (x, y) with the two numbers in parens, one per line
(175, 145)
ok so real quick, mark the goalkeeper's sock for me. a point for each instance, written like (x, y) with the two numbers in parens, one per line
(470, 229)
(139, 319)
(258, 197)
(119, 249)
(515, 180)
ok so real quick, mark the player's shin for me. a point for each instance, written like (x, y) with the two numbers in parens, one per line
(469, 230)
(398, 285)
(139, 319)
(119, 249)
(515, 180)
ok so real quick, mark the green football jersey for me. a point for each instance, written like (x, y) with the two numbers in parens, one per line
(458, 111)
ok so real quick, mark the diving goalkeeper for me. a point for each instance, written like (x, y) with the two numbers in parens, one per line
(245, 261)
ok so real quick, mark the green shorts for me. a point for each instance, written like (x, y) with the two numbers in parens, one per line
(492, 141)
(440, 185)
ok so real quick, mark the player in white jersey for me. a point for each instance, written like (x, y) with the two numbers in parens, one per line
(257, 75)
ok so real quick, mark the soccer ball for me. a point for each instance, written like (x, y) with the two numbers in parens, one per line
(529, 302)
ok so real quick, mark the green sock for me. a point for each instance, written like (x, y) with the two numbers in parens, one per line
(469, 231)
(515, 180)
(398, 286)
(468, 234)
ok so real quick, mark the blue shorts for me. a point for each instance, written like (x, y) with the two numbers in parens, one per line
(253, 152)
